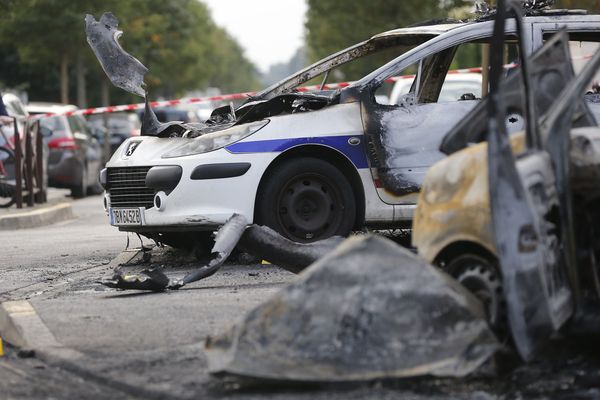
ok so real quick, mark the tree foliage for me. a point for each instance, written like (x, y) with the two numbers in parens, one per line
(332, 26)
(590, 5)
(176, 39)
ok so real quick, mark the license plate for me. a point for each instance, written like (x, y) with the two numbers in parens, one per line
(126, 216)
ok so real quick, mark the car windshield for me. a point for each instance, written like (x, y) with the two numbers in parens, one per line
(388, 46)
(119, 124)
(56, 125)
(122, 123)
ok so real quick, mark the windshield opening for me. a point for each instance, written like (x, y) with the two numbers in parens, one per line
(56, 125)
(350, 64)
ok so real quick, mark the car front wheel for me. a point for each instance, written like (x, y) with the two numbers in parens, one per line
(480, 275)
(307, 199)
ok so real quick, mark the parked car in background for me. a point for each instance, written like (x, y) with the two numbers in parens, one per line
(75, 155)
(313, 165)
(203, 110)
(453, 88)
(15, 108)
(167, 114)
(120, 126)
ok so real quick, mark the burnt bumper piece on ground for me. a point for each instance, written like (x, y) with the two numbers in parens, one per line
(265, 243)
(368, 310)
(260, 241)
(155, 280)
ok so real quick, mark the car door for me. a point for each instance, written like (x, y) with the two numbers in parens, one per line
(531, 202)
(404, 138)
(522, 198)
(408, 134)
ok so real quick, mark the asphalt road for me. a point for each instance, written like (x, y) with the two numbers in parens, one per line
(43, 254)
(149, 345)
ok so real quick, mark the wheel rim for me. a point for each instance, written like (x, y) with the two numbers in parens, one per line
(309, 208)
(481, 279)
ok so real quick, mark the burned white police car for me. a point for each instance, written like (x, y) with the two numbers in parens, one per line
(309, 165)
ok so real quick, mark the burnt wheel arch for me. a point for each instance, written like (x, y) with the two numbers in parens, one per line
(331, 156)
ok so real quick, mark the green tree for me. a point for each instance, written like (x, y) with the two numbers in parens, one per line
(176, 39)
(49, 33)
(332, 26)
(590, 5)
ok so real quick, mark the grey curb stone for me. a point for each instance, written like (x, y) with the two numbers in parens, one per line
(34, 218)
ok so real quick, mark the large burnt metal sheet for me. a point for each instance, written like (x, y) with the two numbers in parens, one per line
(368, 310)
(124, 70)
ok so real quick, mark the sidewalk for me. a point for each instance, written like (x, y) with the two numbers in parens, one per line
(57, 209)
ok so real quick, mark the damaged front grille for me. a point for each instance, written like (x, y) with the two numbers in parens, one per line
(127, 187)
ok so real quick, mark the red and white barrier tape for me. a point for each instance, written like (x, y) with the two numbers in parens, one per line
(226, 97)
(245, 95)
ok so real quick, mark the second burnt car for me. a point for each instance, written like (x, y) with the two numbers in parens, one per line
(309, 165)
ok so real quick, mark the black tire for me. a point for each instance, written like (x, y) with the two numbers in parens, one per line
(306, 199)
(96, 188)
(7, 187)
(80, 190)
(481, 276)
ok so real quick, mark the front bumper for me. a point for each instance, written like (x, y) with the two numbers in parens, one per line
(212, 187)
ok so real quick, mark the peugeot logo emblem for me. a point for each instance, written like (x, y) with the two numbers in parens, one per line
(131, 148)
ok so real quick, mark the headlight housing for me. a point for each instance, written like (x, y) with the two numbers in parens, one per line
(215, 140)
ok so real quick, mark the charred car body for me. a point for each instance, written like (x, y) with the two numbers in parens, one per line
(541, 205)
(368, 309)
(309, 165)
(513, 219)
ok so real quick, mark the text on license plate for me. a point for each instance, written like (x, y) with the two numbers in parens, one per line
(126, 216)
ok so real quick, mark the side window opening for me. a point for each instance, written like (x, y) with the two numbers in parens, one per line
(357, 68)
(581, 52)
(582, 45)
(378, 53)
(454, 74)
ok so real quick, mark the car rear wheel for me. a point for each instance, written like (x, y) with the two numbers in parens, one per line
(78, 191)
(307, 199)
(96, 187)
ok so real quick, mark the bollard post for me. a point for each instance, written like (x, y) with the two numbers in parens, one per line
(106, 144)
(29, 164)
(40, 195)
(18, 167)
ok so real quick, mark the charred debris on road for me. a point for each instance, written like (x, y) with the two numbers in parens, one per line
(365, 308)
